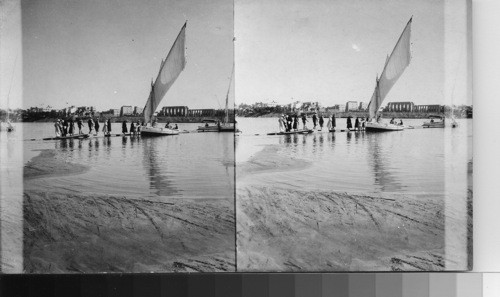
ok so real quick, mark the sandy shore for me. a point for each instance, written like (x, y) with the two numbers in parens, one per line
(279, 229)
(46, 164)
(74, 232)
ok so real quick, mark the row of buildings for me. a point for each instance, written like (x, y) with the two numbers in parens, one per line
(308, 106)
(409, 106)
(126, 110)
(184, 111)
(349, 106)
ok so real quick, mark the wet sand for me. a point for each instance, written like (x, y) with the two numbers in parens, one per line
(74, 232)
(279, 229)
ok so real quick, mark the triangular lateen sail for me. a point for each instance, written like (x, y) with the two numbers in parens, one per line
(394, 67)
(226, 116)
(169, 71)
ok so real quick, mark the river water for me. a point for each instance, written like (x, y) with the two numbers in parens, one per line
(190, 165)
(413, 161)
(201, 165)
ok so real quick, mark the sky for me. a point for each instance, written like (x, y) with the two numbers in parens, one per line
(104, 53)
(332, 50)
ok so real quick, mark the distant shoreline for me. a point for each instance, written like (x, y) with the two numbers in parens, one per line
(355, 114)
(288, 230)
(128, 119)
(66, 231)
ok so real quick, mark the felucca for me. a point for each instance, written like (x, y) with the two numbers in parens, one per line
(217, 126)
(394, 67)
(170, 69)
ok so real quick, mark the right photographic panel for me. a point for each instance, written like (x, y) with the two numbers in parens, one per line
(354, 149)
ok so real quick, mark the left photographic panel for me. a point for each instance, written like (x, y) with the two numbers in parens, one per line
(104, 163)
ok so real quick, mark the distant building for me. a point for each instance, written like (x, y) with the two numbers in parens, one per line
(138, 110)
(433, 108)
(331, 110)
(85, 110)
(35, 109)
(69, 110)
(400, 106)
(363, 106)
(310, 106)
(340, 107)
(126, 110)
(272, 104)
(295, 105)
(201, 112)
(112, 112)
(176, 111)
(351, 106)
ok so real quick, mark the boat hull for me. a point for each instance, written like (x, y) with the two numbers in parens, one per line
(382, 127)
(208, 129)
(215, 128)
(433, 125)
(78, 136)
(226, 129)
(157, 131)
(291, 132)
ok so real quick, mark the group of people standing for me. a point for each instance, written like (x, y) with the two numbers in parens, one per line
(135, 127)
(288, 123)
(359, 123)
(66, 127)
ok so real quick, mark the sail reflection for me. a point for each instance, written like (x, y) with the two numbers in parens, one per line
(159, 183)
(384, 178)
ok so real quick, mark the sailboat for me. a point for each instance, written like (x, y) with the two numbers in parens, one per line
(394, 67)
(10, 127)
(225, 126)
(170, 69)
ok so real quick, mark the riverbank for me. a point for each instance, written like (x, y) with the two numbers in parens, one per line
(283, 228)
(46, 165)
(129, 119)
(65, 231)
(354, 114)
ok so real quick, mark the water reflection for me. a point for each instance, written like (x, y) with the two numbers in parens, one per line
(228, 153)
(384, 177)
(159, 183)
(349, 136)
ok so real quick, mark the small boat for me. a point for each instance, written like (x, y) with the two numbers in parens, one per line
(170, 69)
(158, 131)
(292, 132)
(225, 125)
(79, 136)
(382, 127)
(10, 127)
(394, 67)
(436, 121)
(209, 126)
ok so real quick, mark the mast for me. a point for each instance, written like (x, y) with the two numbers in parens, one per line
(170, 69)
(10, 88)
(395, 65)
(151, 105)
(226, 118)
(377, 96)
